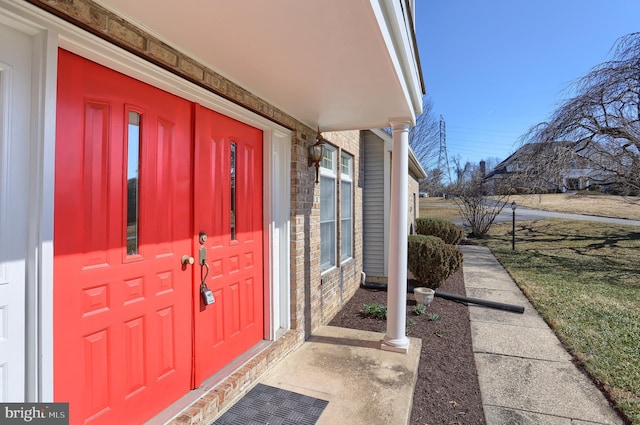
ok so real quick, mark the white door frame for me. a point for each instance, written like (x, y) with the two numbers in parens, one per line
(277, 189)
(49, 33)
(37, 189)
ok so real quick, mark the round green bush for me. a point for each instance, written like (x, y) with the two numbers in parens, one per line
(444, 229)
(431, 261)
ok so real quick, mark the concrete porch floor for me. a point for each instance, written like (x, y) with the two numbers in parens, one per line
(362, 383)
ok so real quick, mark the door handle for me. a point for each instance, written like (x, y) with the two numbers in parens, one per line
(187, 260)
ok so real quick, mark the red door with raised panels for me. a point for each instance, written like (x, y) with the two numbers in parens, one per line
(131, 333)
(228, 210)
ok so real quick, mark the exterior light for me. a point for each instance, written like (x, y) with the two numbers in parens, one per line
(315, 153)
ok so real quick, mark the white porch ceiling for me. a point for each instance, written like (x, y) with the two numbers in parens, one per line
(336, 64)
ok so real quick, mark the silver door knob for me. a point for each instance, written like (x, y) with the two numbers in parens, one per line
(186, 259)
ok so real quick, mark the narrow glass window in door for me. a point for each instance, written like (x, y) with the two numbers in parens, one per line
(133, 163)
(233, 191)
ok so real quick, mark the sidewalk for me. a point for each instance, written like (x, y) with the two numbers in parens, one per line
(526, 376)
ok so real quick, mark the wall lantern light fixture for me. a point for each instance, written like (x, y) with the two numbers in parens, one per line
(315, 153)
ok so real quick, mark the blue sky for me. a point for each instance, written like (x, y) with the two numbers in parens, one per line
(494, 68)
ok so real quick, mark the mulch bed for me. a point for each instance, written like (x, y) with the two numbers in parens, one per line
(447, 390)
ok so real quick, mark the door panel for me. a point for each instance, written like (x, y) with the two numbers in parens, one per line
(228, 209)
(122, 300)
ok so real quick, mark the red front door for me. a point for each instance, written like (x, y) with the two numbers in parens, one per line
(130, 332)
(228, 210)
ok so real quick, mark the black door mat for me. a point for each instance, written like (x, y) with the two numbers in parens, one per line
(273, 406)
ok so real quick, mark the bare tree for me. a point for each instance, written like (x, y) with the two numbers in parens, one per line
(602, 120)
(433, 183)
(424, 138)
(477, 209)
(537, 167)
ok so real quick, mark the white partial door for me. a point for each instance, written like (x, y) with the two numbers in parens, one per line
(15, 95)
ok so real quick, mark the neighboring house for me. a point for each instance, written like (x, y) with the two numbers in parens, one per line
(377, 185)
(163, 241)
(550, 167)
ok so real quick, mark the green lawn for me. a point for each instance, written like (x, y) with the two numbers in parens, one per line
(584, 278)
(439, 208)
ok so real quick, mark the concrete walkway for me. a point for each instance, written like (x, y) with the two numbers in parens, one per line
(526, 376)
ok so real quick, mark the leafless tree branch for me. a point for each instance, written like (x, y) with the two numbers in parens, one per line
(424, 138)
(477, 208)
(602, 121)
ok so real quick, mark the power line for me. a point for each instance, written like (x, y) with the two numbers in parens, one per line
(485, 130)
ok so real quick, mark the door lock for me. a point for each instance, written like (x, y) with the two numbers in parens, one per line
(202, 256)
(187, 260)
(207, 294)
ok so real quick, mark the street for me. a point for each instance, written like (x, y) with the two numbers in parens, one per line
(523, 213)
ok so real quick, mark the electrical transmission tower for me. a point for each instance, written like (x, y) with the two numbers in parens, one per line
(443, 158)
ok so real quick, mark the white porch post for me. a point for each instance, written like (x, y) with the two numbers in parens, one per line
(396, 339)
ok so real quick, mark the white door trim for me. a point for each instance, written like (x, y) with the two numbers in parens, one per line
(277, 190)
(37, 189)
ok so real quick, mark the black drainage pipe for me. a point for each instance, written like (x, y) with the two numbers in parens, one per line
(484, 303)
(457, 298)
(378, 286)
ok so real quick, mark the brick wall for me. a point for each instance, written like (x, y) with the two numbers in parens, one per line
(331, 290)
(414, 201)
(305, 216)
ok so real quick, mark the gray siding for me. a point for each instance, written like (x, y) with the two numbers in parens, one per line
(373, 206)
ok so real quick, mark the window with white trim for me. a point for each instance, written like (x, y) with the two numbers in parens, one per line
(328, 208)
(346, 206)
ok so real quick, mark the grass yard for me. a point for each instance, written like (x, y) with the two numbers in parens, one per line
(583, 203)
(439, 208)
(576, 203)
(585, 281)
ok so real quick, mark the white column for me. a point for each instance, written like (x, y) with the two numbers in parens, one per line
(396, 339)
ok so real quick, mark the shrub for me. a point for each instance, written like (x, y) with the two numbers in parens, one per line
(444, 229)
(431, 261)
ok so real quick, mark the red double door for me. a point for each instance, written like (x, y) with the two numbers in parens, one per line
(141, 175)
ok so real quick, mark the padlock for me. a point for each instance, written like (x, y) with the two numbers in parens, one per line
(207, 295)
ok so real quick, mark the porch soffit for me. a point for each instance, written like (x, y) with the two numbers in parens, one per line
(329, 63)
